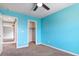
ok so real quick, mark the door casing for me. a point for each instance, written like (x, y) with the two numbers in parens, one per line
(16, 24)
(1, 36)
(35, 31)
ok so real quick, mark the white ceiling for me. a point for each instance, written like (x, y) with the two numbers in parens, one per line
(26, 8)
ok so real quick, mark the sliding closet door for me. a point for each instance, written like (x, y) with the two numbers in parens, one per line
(1, 31)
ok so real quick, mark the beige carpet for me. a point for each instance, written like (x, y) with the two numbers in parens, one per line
(32, 50)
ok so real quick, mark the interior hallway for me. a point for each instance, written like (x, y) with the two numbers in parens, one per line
(32, 50)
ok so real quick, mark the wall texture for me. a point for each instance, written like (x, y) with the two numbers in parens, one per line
(61, 29)
(22, 27)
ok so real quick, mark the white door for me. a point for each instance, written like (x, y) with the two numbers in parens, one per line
(1, 31)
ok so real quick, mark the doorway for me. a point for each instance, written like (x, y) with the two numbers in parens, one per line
(9, 32)
(32, 32)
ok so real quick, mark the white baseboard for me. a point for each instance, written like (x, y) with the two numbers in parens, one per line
(38, 43)
(61, 49)
(22, 46)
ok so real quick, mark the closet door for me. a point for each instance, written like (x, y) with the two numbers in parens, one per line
(1, 32)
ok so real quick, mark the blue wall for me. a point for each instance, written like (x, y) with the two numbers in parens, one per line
(22, 26)
(61, 29)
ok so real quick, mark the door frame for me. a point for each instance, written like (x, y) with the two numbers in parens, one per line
(1, 36)
(28, 31)
(16, 38)
(16, 31)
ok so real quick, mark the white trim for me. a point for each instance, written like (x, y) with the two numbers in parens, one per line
(61, 49)
(1, 49)
(16, 28)
(16, 32)
(23, 46)
(28, 31)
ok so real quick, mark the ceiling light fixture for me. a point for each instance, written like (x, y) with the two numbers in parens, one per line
(39, 4)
